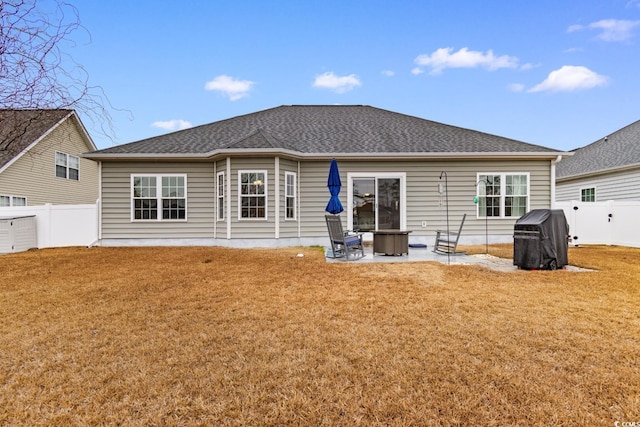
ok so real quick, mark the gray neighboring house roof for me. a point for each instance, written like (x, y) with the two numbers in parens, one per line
(324, 131)
(616, 151)
(21, 128)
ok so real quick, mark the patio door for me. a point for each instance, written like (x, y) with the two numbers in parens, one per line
(376, 202)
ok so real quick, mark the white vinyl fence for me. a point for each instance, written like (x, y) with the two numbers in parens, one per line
(603, 223)
(61, 225)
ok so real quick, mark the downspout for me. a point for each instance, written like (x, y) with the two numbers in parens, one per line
(99, 201)
(298, 200)
(553, 180)
(98, 205)
(277, 197)
(216, 214)
(228, 198)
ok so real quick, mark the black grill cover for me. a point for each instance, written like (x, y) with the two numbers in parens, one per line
(540, 240)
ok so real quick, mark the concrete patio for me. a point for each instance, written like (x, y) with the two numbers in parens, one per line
(427, 254)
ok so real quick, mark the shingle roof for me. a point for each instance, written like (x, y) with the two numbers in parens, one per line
(620, 149)
(335, 129)
(20, 128)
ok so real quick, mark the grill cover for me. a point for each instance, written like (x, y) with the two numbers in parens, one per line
(540, 240)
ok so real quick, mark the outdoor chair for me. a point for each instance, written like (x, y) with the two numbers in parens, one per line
(447, 241)
(347, 245)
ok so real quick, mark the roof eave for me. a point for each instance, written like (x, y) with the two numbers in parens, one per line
(83, 130)
(211, 155)
(551, 155)
(36, 141)
(598, 172)
(439, 156)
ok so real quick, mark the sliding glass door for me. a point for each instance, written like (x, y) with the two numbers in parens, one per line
(388, 217)
(364, 204)
(376, 202)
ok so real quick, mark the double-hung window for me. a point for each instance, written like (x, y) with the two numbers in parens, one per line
(588, 194)
(67, 166)
(158, 197)
(290, 195)
(253, 196)
(220, 196)
(503, 195)
(9, 201)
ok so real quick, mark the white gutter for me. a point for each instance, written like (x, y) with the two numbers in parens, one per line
(326, 156)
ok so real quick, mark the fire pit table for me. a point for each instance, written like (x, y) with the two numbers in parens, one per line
(391, 242)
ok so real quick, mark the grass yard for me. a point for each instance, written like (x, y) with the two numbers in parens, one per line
(216, 336)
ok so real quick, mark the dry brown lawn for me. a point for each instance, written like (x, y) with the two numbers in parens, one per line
(215, 336)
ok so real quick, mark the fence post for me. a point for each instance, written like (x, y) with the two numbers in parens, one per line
(47, 217)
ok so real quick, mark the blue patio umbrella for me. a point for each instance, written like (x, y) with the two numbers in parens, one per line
(333, 182)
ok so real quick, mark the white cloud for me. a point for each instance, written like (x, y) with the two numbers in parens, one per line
(388, 73)
(233, 88)
(575, 27)
(570, 78)
(339, 84)
(417, 70)
(171, 125)
(614, 30)
(516, 87)
(464, 58)
(610, 30)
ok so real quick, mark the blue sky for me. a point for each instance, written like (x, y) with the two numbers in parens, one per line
(558, 73)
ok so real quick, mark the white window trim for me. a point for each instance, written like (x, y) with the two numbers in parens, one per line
(294, 196)
(222, 196)
(266, 194)
(503, 193)
(595, 193)
(11, 200)
(159, 197)
(67, 167)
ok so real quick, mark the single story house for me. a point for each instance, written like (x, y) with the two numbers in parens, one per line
(260, 179)
(41, 159)
(607, 169)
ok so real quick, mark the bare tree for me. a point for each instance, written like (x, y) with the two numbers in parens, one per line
(36, 70)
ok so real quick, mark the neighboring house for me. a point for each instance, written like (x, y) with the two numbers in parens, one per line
(261, 179)
(40, 159)
(608, 169)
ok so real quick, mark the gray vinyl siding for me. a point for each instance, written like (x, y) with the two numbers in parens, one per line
(116, 202)
(253, 228)
(422, 204)
(612, 186)
(422, 201)
(201, 201)
(220, 226)
(33, 175)
(288, 227)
